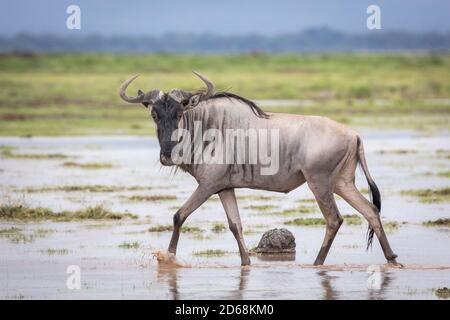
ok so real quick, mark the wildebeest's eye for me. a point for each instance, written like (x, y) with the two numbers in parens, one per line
(184, 102)
(154, 115)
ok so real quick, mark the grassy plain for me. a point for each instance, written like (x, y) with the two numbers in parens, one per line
(77, 94)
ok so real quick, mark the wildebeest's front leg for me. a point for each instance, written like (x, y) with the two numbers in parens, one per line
(229, 203)
(200, 195)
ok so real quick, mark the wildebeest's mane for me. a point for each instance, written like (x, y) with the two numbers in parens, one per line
(224, 94)
(256, 110)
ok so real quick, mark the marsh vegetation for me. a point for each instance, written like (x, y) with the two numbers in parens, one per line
(443, 222)
(24, 213)
(130, 245)
(151, 198)
(53, 252)
(169, 227)
(85, 188)
(19, 235)
(430, 195)
(442, 293)
(211, 252)
(88, 165)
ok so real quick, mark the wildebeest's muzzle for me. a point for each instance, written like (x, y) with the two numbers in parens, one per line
(165, 159)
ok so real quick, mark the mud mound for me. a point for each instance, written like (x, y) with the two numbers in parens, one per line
(276, 241)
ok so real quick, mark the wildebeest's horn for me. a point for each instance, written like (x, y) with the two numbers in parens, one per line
(209, 84)
(123, 88)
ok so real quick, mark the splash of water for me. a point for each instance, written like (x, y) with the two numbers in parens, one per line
(169, 259)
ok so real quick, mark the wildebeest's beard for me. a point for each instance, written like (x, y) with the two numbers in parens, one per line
(166, 113)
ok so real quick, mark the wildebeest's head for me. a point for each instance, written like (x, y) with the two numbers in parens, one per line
(166, 110)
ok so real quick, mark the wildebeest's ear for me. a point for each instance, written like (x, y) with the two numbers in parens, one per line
(192, 102)
(144, 103)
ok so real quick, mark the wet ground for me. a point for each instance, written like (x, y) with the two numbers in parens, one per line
(115, 257)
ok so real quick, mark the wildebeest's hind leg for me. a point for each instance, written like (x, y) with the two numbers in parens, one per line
(348, 191)
(323, 192)
(200, 195)
(228, 199)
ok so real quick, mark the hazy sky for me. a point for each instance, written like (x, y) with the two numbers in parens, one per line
(220, 17)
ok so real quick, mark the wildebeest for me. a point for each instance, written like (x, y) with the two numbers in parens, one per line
(312, 149)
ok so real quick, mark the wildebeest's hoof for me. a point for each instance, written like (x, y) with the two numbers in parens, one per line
(394, 264)
(169, 259)
(245, 262)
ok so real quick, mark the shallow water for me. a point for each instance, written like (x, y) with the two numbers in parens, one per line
(108, 271)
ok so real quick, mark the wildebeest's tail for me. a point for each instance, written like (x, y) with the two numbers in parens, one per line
(375, 193)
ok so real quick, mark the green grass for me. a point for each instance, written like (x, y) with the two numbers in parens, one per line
(307, 209)
(161, 228)
(445, 174)
(218, 227)
(258, 198)
(152, 198)
(293, 212)
(85, 188)
(9, 231)
(263, 207)
(255, 228)
(76, 94)
(442, 293)
(6, 149)
(296, 211)
(43, 232)
(443, 153)
(88, 165)
(24, 213)
(348, 219)
(268, 210)
(391, 226)
(17, 235)
(352, 219)
(185, 229)
(189, 229)
(306, 222)
(53, 252)
(430, 195)
(312, 200)
(398, 151)
(8, 154)
(443, 222)
(130, 245)
(211, 252)
(249, 231)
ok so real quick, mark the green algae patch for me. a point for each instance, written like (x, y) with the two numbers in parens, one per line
(430, 195)
(24, 213)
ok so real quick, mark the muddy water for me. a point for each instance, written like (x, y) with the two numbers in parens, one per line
(28, 270)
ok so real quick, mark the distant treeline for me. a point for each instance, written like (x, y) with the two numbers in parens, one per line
(308, 41)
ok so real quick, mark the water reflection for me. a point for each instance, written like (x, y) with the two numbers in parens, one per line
(276, 257)
(379, 292)
(234, 283)
(238, 294)
(377, 284)
(169, 275)
(326, 281)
